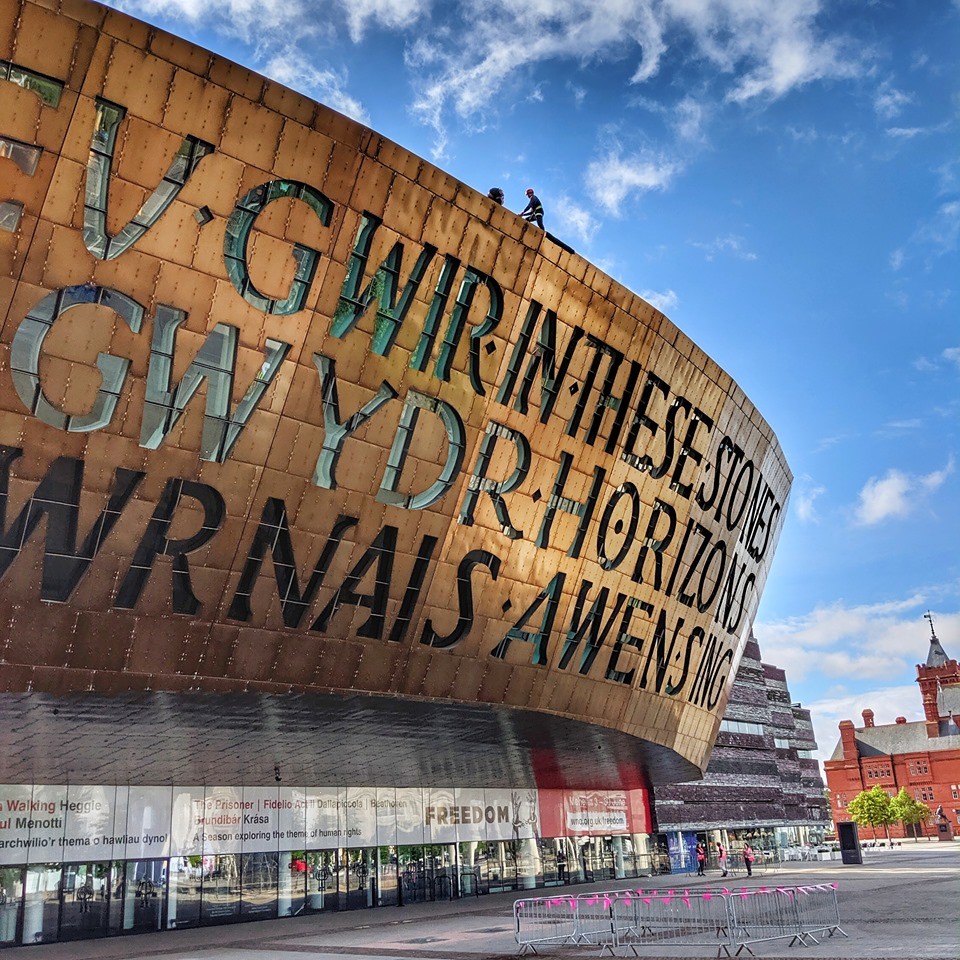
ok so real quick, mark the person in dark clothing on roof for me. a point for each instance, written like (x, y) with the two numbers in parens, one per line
(533, 211)
(496, 195)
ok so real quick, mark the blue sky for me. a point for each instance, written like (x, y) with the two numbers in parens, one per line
(782, 179)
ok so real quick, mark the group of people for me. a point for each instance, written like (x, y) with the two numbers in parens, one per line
(532, 212)
(748, 858)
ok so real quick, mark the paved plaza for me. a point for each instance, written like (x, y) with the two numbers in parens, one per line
(902, 903)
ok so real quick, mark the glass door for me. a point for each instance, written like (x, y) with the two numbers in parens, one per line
(388, 882)
(186, 877)
(502, 865)
(138, 896)
(41, 908)
(220, 888)
(11, 904)
(293, 876)
(321, 870)
(84, 899)
(414, 886)
(359, 879)
(258, 885)
(441, 861)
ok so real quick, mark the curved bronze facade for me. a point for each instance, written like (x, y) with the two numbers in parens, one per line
(288, 410)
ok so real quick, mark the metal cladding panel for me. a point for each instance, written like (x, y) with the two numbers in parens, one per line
(284, 409)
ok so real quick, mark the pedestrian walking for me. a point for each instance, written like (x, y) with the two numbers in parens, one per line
(722, 858)
(748, 858)
(533, 211)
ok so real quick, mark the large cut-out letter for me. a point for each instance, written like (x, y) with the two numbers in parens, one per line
(237, 237)
(215, 362)
(28, 344)
(102, 144)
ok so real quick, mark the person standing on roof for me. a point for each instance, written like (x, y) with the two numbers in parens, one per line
(533, 211)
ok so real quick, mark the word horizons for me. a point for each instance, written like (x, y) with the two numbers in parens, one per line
(634, 415)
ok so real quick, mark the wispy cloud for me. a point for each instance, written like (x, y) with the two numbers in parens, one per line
(329, 86)
(941, 232)
(896, 494)
(663, 300)
(578, 93)
(480, 52)
(952, 355)
(755, 51)
(886, 702)
(908, 133)
(900, 426)
(389, 14)
(889, 101)
(730, 245)
(575, 220)
(804, 501)
(875, 640)
(611, 179)
(872, 641)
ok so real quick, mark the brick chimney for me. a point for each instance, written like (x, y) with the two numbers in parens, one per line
(848, 739)
(868, 717)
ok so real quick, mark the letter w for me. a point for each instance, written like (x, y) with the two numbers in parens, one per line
(592, 623)
(382, 287)
(215, 362)
(58, 496)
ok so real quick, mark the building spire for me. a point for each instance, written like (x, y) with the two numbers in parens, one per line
(936, 657)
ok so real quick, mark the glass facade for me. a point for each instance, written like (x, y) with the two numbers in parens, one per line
(47, 902)
(95, 861)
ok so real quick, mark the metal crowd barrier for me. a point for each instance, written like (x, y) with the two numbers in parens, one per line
(819, 911)
(676, 918)
(543, 920)
(595, 920)
(726, 920)
(780, 913)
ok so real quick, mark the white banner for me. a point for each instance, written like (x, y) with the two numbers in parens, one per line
(91, 823)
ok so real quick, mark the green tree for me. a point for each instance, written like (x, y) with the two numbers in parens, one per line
(907, 810)
(871, 808)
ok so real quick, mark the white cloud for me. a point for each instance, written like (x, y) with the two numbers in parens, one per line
(804, 503)
(663, 300)
(613, 178)
(952, 354)
(389, 14)
(896, 494)
(689, 117)
(756, 50)
(942, 231)
(908, 133)
(882, 642)
(574, 219)
(913, 423)
(328, 86)
(889, 101)
(887, 703)
(730, 245)
(579, 93)
(254, 21)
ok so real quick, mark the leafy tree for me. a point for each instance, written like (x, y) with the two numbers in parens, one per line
(907, 810)
(871, 808)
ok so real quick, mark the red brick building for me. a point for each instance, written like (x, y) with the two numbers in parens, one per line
(922, 756)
